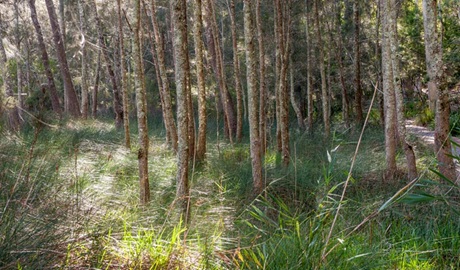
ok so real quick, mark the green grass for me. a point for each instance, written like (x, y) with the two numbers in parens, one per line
(69, 199)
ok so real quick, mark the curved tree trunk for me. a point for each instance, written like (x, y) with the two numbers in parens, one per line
(55, 103)
(72, 101)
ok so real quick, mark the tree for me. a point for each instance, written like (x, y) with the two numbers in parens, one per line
(71, 105)
(124, 90)
(199, 55)
(179, 10)
(357, 65)
(438, 85)
(84, 69)
(51, 87)
(262, 83)
(253, 97)
(141, 105)
(160, 54)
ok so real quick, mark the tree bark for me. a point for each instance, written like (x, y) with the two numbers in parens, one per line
(309, 68)
(435, 70)
(51, 87)
(236, 74)
(180, 51)
(72, 105)
(294, 103)
(141, 104)
(357, 65)
(96, 82)
(84, 70)
(117, 100)
(253, 97)
(262, 83)
(388, 94)
(199, 55)
(324, 93)
(124, 90)
(168, 109)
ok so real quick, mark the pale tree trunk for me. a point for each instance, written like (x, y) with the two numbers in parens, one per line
(62, 20)
(10, 106)
(395, 56)
(236, 74)
(262, 84)
(84, 70)
(309, 73)
(434, 66)
(117, 100)
(72, 105)
(295, 104)
(388, 94)
(168, 109)
(190, 111)
(51, 87)
(283, 24)
(199, 55)
(220, 74)
(124, 89)
(96, 83)
(357, 65)
(344, 92)
(141, 104)
(18, 62)
(253, 97)
(322, 68)
(180, 65)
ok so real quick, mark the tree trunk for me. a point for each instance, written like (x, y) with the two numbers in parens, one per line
(395, 56)
(18, 62)
(84, 72)
(309, 73)
(388, 94)
(324, 93)
(72, 100)
(199, 55)
(96, 82)
(236, 74)
(168, 109)
(357, 66)
(55, 103)
(124, 90)
(344, 92)
(262, 84)
(295, 104)
(253, 97)
(435, 70)
(141, 104)
(117, 101)
(180, 51)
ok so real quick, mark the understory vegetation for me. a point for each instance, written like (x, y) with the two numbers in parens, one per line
(69, 199)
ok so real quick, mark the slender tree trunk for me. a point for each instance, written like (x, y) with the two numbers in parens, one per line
(117, 100)
(309, 68)
(141, 104)
(236, 74)
(62, 20)
(295, 104)
(344, 92)
(168, 109)
(253, 97)
(96, 82)
(124, 90)
(18, 61)
(190, 111)
(395, 56)
(437, 83)
(324, 93)
(84, 70)
(180, 51)
(388, 94)
(357, 65)
(199, 55)
(262, 84)
(72, 100)
(55, 103)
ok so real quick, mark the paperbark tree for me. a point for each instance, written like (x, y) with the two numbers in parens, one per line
(199, 55)
(84, 70)
(160, 53)
(141, 105)
(96, 83)
(322, 68)
(437, 84)
(262, 83)
(72, 105)
(253, 97)
(343, 87)
(308, 48)
(236, 74)
(179, 11)
(357, 65)
(124, 89)
(51, 87)
(388, 94)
